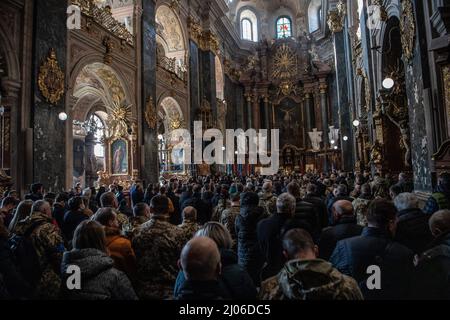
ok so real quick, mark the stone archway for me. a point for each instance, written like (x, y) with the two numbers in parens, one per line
(170, 118)
(103, 118)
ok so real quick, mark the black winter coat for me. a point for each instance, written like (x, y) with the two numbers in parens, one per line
(270, 232)
(413, 230)
(15, 286)
(321, 208)
(204, 210)
(375, 248)
(307, 213)
(432, 274)
(71, 221)
(249, 253)
(345, 228)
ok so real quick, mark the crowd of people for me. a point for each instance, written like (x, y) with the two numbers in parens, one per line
(284, 237)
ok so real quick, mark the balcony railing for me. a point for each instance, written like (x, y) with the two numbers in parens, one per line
(170, 65)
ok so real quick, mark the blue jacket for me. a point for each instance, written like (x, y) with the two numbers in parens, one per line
(375, 248)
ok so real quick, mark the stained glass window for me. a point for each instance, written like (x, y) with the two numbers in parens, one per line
(284, 28)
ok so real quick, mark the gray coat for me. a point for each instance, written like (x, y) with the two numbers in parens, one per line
(99, 279)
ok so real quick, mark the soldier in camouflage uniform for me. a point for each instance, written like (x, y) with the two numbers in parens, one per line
(49, 244)
(157, 245)
(189, 225)
(267, 199)
(141, 215)
(304, 277)
(228, 218)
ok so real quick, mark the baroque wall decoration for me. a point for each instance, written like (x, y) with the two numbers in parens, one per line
(284, 63)
(408, 30)
(336, 18)
(446, 79)
(150, 113)
(103, 16)
(51, 79)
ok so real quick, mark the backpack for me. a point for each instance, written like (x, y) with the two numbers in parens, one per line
(25, 256)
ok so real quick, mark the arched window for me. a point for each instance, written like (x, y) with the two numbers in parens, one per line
(284, 27)
(249, 25)
(97, 127)
(247, 29)
(314, 15)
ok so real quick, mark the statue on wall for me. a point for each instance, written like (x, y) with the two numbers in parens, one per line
(333, 135)
(316, 139)
(376, 155)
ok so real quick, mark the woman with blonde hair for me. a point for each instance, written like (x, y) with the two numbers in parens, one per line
(23, 211)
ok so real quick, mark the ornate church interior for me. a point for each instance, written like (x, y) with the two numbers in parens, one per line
(91, 91)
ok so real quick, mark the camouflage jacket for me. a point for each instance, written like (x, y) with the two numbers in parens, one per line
(360, 207)
(217, 212)
(132, 227)
(189, 229)
(157, 246)
(49, 245)
(269, 202)
(228, 219)
(310, 280)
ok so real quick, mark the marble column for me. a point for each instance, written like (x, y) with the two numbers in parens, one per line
(49, 133)
(343, 93)
(309, 108)
(324, 110)
(194, 82)
(249, 111)
(256, 112)
(149, 141)
(208, 79)
(266, 113)
(18, 163)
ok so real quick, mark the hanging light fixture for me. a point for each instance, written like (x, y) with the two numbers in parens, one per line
(62, 116)
(345, 138)
(388, 83)
(356, 123)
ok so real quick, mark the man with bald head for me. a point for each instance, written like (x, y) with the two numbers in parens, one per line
(432, 273)
(200, 262)
(345, 226)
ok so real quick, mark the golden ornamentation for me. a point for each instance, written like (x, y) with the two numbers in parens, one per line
(195, 30)
(209, 42)
(376, 154)
(336, 17)
(103, 17)
(118, 122)
(109, 45)
(446, 78)
(51, 79)
(150, 113)
(284, 63)
(287, 88)
(176, 122)
(408, 30)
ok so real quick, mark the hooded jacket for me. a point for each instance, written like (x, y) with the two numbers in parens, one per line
(99, 279)
(310, 280)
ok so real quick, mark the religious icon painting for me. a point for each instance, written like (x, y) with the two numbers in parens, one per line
(119, 157)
